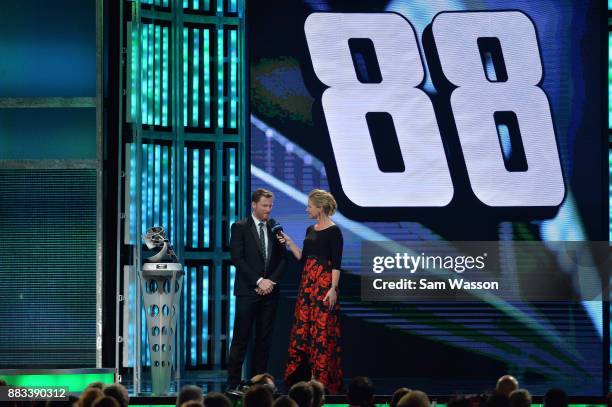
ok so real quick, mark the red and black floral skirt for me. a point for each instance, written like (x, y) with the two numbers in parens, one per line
(314, 342)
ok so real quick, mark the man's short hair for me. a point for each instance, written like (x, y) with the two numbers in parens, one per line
(360, 392)
(397, 396)
(89, 396)
(189, 392)
(414, 398)
(318, 393)
(97, 385)
(215, 399)
(261, 193)
(520, 398)
(506, 385)
(302, 394)
(258, 396)
(119, 393)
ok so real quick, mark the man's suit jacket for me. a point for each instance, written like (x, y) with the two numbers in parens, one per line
(249, 261)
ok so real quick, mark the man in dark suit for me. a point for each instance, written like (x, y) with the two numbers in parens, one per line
(260, 262)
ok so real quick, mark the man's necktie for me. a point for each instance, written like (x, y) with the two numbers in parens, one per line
(262, 241)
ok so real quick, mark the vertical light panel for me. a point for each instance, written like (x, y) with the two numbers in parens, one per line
(193, 317)
(165, 72)
(195, 198)
(144, 83)
(150, 74)
(154, 71)
(185, 174)
(233, 94)
(185, 73)
(157, 192)
(199, 195)
(133, 73)
(172, 194)
(150, 186)
(204, 330)
(133, 227)
(143, 192)
(164, 192)
(195, 75)
(207, 170)
(232, 214)
(220, 65)
(156, 183)
(610, 194)
(157, 62)
(185, 313)
(207, 77)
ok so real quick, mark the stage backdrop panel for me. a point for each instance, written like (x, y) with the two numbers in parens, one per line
(444, 121)
(50, 263)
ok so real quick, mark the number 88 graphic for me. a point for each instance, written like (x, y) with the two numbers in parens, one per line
(426, 180)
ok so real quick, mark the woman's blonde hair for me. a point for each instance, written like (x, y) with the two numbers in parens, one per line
(324, 200)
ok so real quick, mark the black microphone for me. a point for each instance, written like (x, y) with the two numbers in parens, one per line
(276, 227)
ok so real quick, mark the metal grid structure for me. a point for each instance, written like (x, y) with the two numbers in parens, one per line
(183, 166)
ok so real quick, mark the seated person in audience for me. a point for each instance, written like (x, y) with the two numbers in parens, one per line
(214, 399)
(90, 395)
(285, 401)
(361, 392)
(397, 395)
(520, 398)
(318, 393)
(506, 385)
(301, 393)
(415, 398)
(189, 392)
(105, 401)
(258, 396)
(119, 393)
(97, 385)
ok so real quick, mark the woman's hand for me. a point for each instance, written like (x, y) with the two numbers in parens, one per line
(284, 238)
(332, 297)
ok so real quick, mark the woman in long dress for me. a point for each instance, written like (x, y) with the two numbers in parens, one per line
(314, 348)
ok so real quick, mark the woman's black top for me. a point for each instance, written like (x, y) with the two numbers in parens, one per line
(325, 245)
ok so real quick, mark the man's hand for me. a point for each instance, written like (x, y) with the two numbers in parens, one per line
(265, 286)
